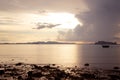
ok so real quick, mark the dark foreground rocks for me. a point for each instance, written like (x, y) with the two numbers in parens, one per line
(22, 71)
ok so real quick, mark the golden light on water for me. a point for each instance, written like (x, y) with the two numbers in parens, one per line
(67, 54)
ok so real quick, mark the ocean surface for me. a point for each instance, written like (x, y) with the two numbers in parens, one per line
(61, 54)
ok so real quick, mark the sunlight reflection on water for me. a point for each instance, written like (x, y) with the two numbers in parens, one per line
(60, 54)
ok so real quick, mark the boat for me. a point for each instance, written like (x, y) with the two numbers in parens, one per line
(105, 46)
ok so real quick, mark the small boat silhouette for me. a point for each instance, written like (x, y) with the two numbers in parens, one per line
(105, 46)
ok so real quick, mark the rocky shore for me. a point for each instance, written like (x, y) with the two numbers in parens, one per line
(21, 71)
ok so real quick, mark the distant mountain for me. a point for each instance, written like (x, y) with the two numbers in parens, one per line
(105, 43)
(41, 42)
(48, 42)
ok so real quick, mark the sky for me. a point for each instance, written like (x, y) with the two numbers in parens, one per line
(59, 20)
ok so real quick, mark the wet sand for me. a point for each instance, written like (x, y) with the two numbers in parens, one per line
(21, 71)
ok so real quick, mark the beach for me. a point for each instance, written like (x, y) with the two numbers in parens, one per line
(22, 71)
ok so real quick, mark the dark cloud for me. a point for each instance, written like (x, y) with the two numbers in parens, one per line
(78, 34)
(100, 21)
(45, 25)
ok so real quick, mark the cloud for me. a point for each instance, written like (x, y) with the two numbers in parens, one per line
(36, 5)
(45, 25)
(8, 5)
(101, 21)
(79, 33)
(8, 21)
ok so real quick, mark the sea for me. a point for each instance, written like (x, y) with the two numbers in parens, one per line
(61, 54)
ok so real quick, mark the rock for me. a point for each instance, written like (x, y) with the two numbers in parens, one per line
(2, 71)
(19, 64)
(88, 76)
(20, 78)
(86, 64)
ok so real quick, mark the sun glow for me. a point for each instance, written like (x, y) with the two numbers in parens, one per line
(61, 17)
(65, 20)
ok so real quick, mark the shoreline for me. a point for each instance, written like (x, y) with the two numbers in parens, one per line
(22, 71)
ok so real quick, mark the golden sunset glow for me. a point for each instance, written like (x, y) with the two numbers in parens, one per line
(65, 20)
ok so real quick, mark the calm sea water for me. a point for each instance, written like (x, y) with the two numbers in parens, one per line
(62, 54)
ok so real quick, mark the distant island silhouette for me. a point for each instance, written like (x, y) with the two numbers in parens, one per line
(56, 42)
(42, 42)
(105, 43)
